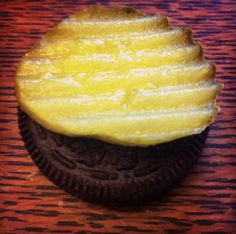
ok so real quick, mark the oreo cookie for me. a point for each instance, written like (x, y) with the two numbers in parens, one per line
(106, 173)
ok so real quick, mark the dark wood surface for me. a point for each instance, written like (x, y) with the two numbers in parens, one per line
(204, 202)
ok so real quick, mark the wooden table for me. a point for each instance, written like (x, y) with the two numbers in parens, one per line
(204, 202)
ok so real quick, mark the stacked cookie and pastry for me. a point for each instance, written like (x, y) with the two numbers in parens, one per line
(115, 104)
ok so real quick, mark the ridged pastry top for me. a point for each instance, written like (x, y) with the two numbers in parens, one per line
(120, 76)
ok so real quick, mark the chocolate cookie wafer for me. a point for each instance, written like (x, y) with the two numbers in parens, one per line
(102, 172)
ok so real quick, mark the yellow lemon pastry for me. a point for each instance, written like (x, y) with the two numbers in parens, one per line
(120, 76)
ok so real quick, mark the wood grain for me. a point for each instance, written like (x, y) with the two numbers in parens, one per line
(204, 202)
